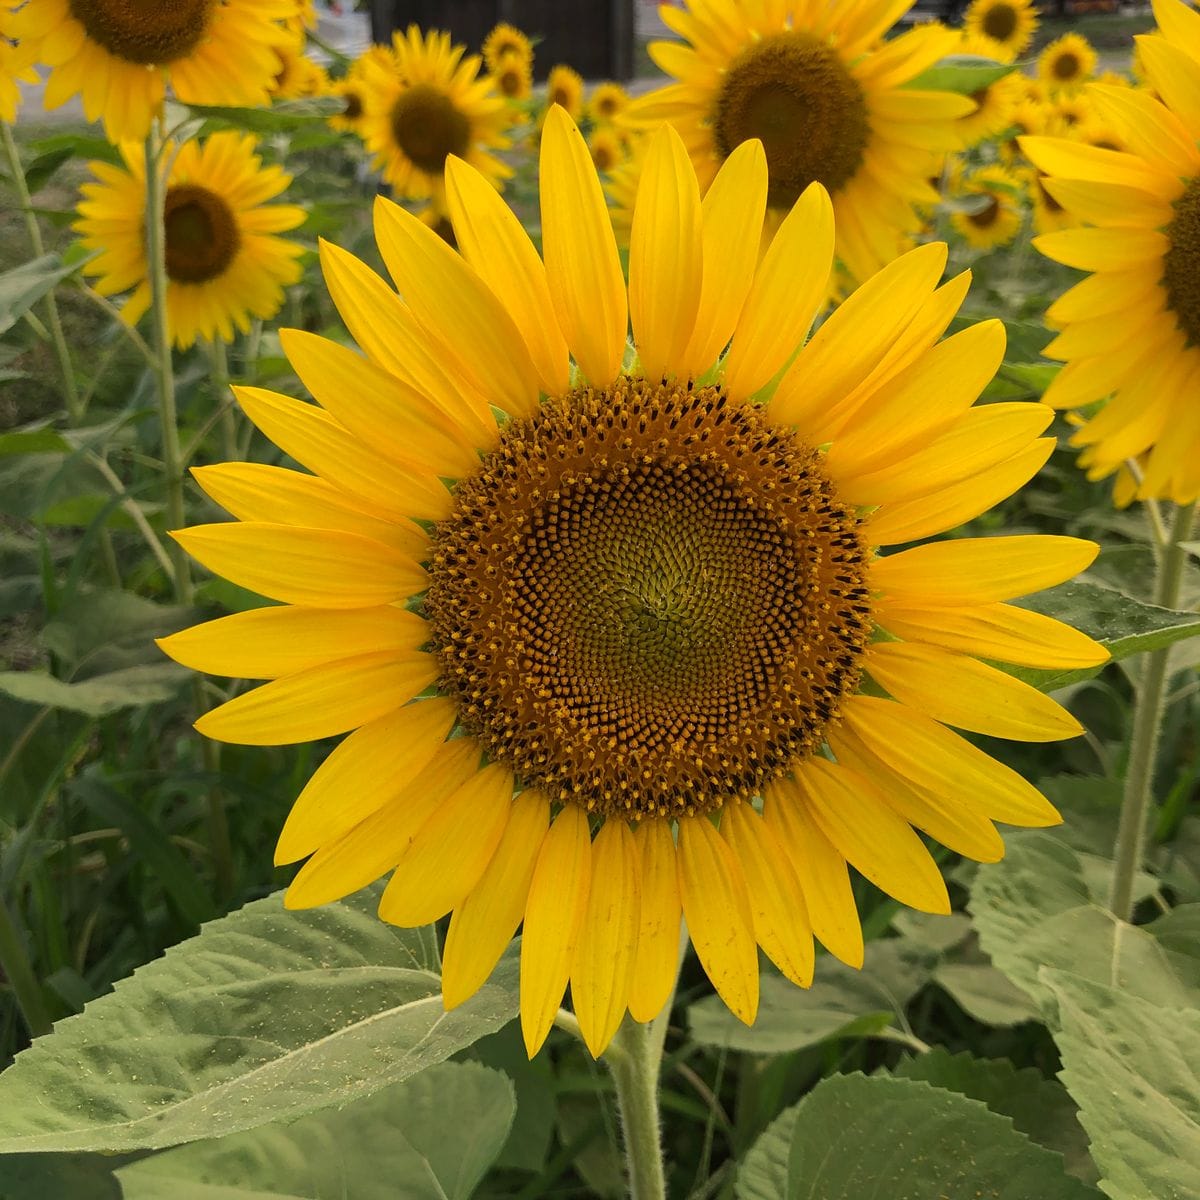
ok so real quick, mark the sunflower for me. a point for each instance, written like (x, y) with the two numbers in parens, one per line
(644, 599)
(1131, 330)
(826, 96)
(351, 91)
(503, 41)
(1067, 62)
(994, 213)
(513, 77)
(995, 104)
(121, 58)
(607, 150)
(428, 104)
(564, 87)
(607, 102)
(1028, 116)
(224, 263)
(298, 76)
(14, 64)
(1008, 24)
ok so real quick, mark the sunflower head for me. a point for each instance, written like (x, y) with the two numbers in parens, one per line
(1066, 63)
(564, 87)
(607, 102)
(990, 211)
(512, 76)
(1008, 24)
(607, 150)
(503, 41)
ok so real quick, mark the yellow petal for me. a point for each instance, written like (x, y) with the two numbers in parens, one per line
(1103, 249)
(657, 963)
(790, 286)
(316, 441)
(997, 631)
(980, 570)
(453, 303)
(266, 643)
(967, 694)
(582, 265)
(855, 817)
(321, 701)
(665, 265)
(936, 760)
(1173, 74)
(484, 923)
(494, 242)
(317, 567)
(602, 968)
(378, 408)
(366, 770)
(450, 851)
(780, 915)
(732, 215)
(716, 906)
(554, 913)
(377, 843)
(821, 870)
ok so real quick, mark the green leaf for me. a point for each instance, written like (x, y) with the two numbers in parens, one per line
(34, 441)
(432, 1137)
(533, 1126)
(1039, 1107)
(763, 1173)
(858, 1137)
(962, 73)
(101, 695)
(280, 118)
(1034, 907)
(23, 286)
(842, 1002)
(1130, 1064)
(57, 1177)
(267, 1015)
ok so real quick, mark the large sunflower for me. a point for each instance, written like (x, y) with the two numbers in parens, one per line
(1132, 329)
(827, 98)
(1008, 24)
(120, 58)
(647, 599)
(429, 103)
(224, 263)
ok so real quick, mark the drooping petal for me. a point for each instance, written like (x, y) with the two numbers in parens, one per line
(657, 962)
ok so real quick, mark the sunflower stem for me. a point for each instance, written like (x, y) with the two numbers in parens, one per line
(1149, 707)
(57, 338)
(219, 371)
(635, 1071)
(173, 467)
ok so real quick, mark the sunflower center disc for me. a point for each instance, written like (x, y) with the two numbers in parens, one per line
(1000, 22)
(793, 93)
(147, 32)
(1181, 263)
(649, 600)
(510, 81)
(1067, 66)
(427, 127)
(353, 106)
(201, 234)
(987, 216)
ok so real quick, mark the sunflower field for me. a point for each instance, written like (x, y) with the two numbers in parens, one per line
(565, 638)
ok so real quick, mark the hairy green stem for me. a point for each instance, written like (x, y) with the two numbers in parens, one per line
(219, 373)
(19, 972)
(635, 1071)
(1147, 725)
(57, 338)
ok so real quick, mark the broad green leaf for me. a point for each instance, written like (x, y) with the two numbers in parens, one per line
(267, 1015)
(23, 286)
(1039, 1107)
(841, 1003)
(57, 1177)
(432, 1137)
(280, 118)
(858, 1137)
(34, 441)
(1130, 1065)
(100, 695)
(985, 993)
(963, 73)
(105, 630)
(1034, 907)
(533, 1126)
(763, 1173)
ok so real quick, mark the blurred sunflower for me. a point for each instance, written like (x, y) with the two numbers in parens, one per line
(1028, 116)
(1131, 330)
(995, 104)
(120, 58)
(995, 213)
(644, 600)
(1009, 24)
(1067, 62)
(564, 87)
(298, 76)
(828, 99)
(607, 102)
(513, 77)
(607, 149)
(503, 41)
(224, 263)
(351, 91)
(14, 64)
(427, 104)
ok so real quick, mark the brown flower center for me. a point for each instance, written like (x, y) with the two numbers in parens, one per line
(985, 217)
(428, 126)
(1000, 22)
(1066, 66)
(146, 32)
(201, 234)
(353, 106)
(649, 600)
(792, 92)
(1181, 263)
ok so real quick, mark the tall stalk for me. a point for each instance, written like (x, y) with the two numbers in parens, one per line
(1148, 712)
